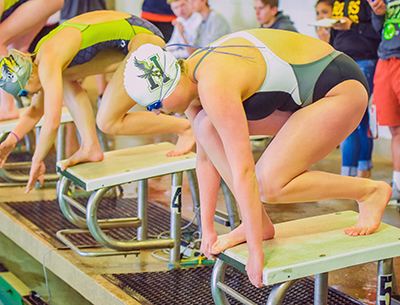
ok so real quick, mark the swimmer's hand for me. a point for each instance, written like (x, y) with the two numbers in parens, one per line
(6, 148)
(207, 241)
(36, 174)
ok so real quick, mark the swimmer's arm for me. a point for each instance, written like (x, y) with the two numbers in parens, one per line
(208, 178)
(31, 116)
(51, 78)
(221, 96)
(26, 123)
(54, 55)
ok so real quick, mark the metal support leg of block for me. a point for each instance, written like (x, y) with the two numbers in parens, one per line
(385, 280)
(142, 209)
(321, 289)
(231, 218)
(194, 190)
(279, 291)
(176, 216)
(220, 290)
(95, 226)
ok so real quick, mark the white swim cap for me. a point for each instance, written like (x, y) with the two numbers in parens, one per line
(151, 74)
(15, 71)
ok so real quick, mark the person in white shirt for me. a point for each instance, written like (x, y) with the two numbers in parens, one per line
(185, 28)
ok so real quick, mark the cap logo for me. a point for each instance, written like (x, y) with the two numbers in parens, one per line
(9, 70)
(152, 71)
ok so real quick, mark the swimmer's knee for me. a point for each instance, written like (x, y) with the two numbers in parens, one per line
(270, 194)
(106, 127)
(105, 124)
(270, 189)
(203, 127)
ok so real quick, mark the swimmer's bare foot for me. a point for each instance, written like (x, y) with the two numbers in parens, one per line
(371, 210)
(82, 155)
(185, 143)
(238, 236)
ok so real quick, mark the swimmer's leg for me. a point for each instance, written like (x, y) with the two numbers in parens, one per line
(81, 110)
(113, 118)
(307, 137)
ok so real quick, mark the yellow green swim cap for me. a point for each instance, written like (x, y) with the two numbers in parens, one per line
(15, 71)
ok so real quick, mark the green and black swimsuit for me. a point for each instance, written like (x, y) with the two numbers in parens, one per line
(9, 7)
(97, 37)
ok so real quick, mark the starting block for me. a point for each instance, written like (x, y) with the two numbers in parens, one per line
(313, 246)
(7, 126)
(122, 167)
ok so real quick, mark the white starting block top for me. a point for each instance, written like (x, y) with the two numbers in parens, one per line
(128, 165)
(9, 125)
(317, 245)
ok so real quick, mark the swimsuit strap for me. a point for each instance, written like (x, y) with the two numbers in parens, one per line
(210, 49)
(198, 63)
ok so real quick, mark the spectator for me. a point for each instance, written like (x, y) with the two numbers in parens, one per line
(160, 14)
(185, 28)
(386, 89)
(213, 26)
(74, 8)
(356, 37)
(323, 9)
(268, 16)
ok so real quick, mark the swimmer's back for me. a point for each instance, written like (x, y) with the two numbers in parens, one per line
(291, 47)
(99, 17)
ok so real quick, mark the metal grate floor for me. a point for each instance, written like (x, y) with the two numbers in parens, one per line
(192, 286)
(48, 218)
(49, 161)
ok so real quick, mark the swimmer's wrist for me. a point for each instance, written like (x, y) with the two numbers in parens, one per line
(35, 159)
(208, 229)
(13, 138)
